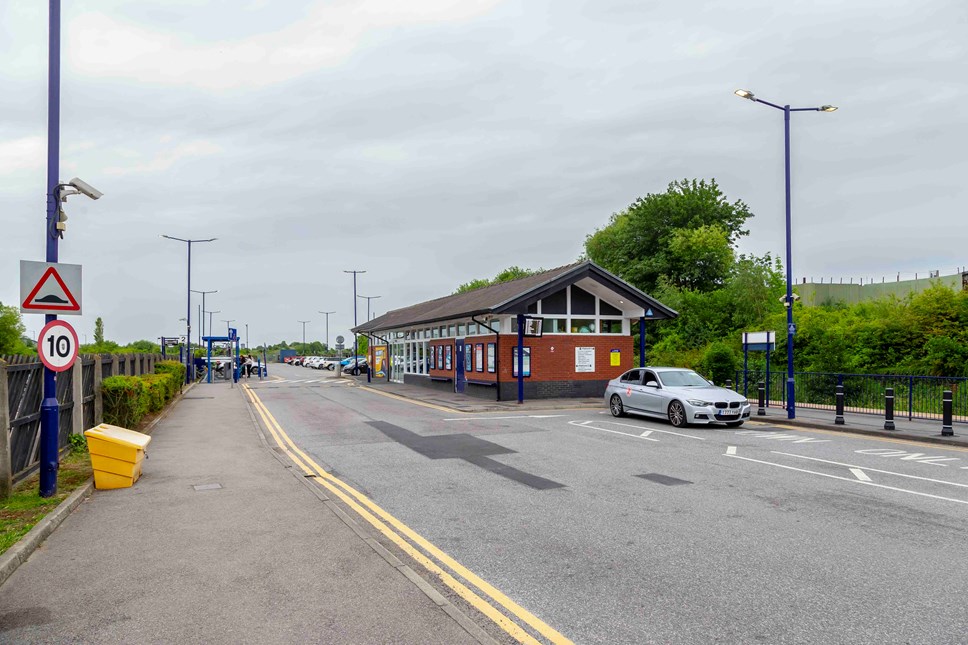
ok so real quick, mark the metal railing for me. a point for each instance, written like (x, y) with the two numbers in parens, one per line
(916, 397)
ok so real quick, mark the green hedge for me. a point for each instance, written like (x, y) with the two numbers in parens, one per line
(127, 399)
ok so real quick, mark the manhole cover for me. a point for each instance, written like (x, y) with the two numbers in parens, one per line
(207, 486)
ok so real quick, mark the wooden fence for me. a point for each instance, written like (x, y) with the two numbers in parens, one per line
(78, 398)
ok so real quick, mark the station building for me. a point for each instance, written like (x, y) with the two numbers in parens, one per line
(560, 333)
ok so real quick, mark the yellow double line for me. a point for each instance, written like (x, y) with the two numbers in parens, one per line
(427, 555)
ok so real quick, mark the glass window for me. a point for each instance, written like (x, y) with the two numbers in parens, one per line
(583, 326)
(448, 357)
(469, 358)
(553, 326)
(452, 331)
(479, 356)
(472, 329)
(610, 327)
(490, 358)
(582, 302)
(526, 363)
(461, 330)
(606, 309)
(633, 376)
(556, 303)
(436, 333)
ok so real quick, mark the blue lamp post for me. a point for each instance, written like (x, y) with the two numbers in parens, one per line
(788, 300)
(188, 324)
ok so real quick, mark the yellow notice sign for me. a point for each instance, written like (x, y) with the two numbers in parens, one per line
(615, 358)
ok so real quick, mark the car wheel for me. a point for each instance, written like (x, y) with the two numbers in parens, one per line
(616, 407)
(677, 414)
(733, 424)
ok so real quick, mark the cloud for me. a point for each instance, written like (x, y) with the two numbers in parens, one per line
(163, 160)
(328, 35)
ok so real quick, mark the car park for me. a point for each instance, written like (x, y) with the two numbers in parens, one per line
(680, 395)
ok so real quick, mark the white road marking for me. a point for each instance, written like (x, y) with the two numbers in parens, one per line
(731, 450)
(678, 434)
(646, 433)
(517, 416)
(875, 470)
(860, 474)
(853, 481)
(584, 424)
(904, 455)
(781, 437)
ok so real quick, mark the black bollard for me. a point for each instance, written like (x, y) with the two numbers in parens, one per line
(889, 409)
(761, 411)
(839, 419)
(729, 384)
(946, 429)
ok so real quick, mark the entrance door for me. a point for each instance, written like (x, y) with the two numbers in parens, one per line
(460, 379)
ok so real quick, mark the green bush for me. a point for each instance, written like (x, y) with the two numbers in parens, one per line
(158, 388)
(719, 362)
(177, 372)
(126, 400)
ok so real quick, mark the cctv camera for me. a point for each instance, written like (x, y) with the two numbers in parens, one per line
(85, 188)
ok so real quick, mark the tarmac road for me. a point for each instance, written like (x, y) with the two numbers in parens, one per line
(630, 531)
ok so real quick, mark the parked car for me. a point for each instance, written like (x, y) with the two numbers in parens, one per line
(328, 363)
(355, 366)
(312, 361)
(680, 395)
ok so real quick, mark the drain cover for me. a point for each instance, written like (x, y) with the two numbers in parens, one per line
(207, 486)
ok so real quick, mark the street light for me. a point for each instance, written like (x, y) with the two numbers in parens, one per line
(188, 324)
(788, 302)
(327, 313)
(203, 308)
(304, 323)
(368, 299)
(356, 342)
(210, 319)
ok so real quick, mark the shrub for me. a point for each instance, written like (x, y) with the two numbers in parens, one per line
(125, 400)
(719, 362)
(177, 372)
(158, 388)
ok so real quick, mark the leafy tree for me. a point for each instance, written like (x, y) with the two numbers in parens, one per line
(719, 362)
(98, 331)
(11, 330)
(684, 236)
(507, 275)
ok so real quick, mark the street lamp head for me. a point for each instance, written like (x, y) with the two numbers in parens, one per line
(745, 94)
(828, 108)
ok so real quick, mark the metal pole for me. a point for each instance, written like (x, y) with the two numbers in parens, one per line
(304, 334)
(356, 341)
(327, 313)
(642, 341)
(791, 401)
(50, 409)
(946, 429)
(188, 323)
(761, 409)
(839, 415)
(889, 409)
(520, 358)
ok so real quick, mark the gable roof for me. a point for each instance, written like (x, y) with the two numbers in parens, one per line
(512, 298)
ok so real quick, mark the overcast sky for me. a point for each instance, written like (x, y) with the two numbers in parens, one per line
(433, 142)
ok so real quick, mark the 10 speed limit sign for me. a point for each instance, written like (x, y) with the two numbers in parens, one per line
(57, 345)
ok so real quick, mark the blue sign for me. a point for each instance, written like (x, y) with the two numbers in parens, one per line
(233, 333)
(792, 328)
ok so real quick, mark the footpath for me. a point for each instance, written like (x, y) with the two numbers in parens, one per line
(219, 543)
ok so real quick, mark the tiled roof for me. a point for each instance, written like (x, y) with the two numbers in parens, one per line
(510, 297)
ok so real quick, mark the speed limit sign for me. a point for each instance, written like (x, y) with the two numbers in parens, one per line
(57, 345)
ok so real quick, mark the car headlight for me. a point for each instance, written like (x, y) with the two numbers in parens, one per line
(698, 403)
(744, 402)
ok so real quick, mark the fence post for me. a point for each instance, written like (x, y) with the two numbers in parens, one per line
(115, 364)
(910, 398)
(889, 409)
(6, 469)
(77, 396)
(98, 401)
(946, 429)
(839, 418)
(761, 411)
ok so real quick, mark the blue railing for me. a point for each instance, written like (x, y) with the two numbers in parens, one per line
(915, 397)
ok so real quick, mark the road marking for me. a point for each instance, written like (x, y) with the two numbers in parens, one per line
(424, 404)
(780, 436)
(731, 450)
(517, 416)
(919, 457)
(860, 474)
(646, 433)
(584, 424)
(678, 434)
(853, 435)
(853, 481)
(357, 500)
(873, 470)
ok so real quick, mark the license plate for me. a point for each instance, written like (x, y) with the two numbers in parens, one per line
(728, 413)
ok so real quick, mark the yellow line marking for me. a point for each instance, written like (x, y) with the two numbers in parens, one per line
(332, 483)
(413, 401)
(841, 433)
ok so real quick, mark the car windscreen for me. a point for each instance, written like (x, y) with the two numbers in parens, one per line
(683, 379)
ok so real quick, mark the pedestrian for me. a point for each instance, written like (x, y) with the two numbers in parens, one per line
(249, 364)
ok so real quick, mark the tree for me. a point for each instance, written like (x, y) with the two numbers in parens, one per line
(681, 235)
(11, 329)
(507, 275)
(98, 331)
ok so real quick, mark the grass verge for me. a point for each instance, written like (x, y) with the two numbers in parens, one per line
(25, 507)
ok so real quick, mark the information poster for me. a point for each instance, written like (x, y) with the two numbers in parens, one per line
(468, 358)
(448, 357)
(379, 357)
(615, 358)
(479, 356)
(584, 359)
(526, 362)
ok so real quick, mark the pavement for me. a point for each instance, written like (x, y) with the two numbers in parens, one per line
(222, 541)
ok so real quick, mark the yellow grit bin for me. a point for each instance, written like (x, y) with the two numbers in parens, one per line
(116, 455)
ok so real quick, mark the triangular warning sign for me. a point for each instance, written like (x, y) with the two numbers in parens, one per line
(649, 314)
(49, 293)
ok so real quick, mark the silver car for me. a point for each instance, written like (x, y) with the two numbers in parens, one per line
(678, 394)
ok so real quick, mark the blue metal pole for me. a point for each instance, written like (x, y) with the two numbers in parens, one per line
(791, 402)
(642, 341)
(50, 409)
(188, 318)
(520, 358)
